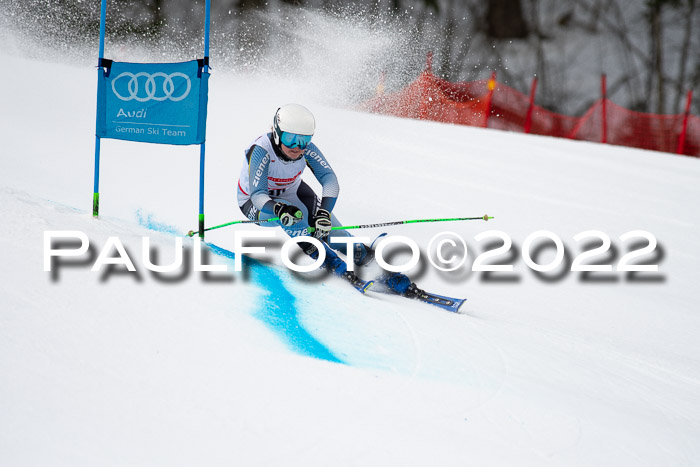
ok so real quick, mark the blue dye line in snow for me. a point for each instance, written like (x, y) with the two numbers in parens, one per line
(277, 310)
(147, 221)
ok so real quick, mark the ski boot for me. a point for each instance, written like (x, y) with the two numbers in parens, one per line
(400, 284)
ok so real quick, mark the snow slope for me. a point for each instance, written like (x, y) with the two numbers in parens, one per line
(264, 368)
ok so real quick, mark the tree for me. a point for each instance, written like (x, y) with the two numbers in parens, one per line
(505, 20)
(683, 58)
(243, 6)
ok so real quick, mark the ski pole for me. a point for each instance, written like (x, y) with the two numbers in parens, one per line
(485, 217)
(192, 232)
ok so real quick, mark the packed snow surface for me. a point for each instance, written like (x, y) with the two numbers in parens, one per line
(262, 367)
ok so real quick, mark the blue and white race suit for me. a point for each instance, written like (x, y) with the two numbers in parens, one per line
(268, 177)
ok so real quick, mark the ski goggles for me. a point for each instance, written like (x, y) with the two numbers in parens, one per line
(292, 140)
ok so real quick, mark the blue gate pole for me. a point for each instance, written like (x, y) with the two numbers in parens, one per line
(206, 31)
(96, 185)
(201, 191)
(202, 146)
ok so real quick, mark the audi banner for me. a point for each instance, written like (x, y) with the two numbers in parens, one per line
(162, 103)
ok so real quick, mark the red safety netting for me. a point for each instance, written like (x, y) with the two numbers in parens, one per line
(487, 103)
(509, 111)
(646, 131)
(430, 98)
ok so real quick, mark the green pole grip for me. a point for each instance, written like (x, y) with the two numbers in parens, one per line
(95, 204)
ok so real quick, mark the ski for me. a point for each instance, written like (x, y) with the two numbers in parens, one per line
(441, 301)
(446, 303)
(359, 285)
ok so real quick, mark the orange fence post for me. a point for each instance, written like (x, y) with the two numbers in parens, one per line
(684, 128)
(604, 98)
(380, 85)
(429, 62)
(424, 103)
(528, 116)
(489, 97)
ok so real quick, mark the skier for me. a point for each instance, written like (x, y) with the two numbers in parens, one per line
(271, 185)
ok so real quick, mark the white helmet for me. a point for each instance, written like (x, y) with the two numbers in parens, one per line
(294, 119)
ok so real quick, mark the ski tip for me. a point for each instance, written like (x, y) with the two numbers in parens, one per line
(458, 304)
(367, 286)
(377, 239)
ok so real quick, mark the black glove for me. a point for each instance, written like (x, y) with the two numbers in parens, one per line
(321, 222)
(288, 214)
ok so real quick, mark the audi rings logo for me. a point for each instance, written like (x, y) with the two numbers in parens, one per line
(150, 90)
